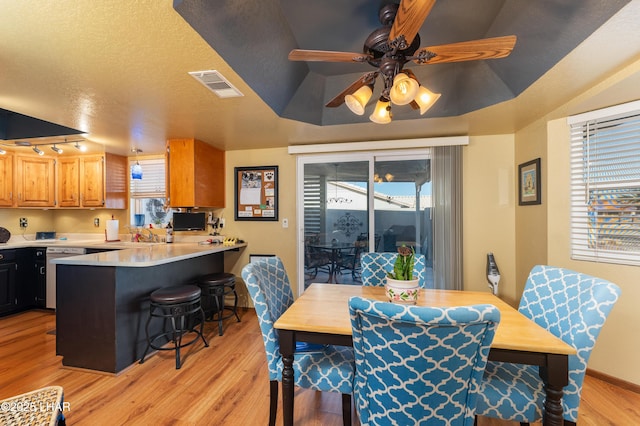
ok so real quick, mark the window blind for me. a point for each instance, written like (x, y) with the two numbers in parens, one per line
(152, 184)
(313, 204)
(605, 187)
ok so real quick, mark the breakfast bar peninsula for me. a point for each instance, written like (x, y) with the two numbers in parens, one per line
(102, 300)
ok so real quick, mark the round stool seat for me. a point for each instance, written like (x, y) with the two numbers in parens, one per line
(217, 278)
(176, 294)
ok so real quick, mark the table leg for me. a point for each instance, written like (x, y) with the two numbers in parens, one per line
(287, 344)
(555, 376)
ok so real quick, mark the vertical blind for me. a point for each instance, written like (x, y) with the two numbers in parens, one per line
(605, 187)
(446, 169)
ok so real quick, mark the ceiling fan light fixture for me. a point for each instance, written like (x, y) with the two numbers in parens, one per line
(425, 99)
(359, 99)
(382, 113)
(404, 89)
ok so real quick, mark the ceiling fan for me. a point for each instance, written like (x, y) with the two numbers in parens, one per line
(393, 45)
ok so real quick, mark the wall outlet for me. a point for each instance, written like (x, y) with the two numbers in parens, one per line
(96, 222)
(221, 223)
(285, 223)
(23, 222)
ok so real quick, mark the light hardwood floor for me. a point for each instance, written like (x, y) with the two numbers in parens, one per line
(225, 384)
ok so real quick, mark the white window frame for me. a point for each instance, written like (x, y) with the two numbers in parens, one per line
(605, 163)
(151, 187)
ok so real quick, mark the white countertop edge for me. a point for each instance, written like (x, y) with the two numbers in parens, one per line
(147, 255)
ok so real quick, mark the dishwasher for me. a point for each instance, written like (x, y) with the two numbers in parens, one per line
(57, 253)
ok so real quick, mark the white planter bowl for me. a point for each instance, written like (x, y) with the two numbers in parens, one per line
(405, 292)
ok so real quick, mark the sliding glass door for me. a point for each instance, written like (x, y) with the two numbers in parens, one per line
(402, 206)
(355, 203)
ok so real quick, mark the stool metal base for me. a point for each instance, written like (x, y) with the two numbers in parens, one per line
(182, 316)
(214, 292)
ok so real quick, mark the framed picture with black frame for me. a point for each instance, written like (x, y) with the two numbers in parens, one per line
(529, 184)
(256, 193)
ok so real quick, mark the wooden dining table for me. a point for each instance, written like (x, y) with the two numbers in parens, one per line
(321, 315)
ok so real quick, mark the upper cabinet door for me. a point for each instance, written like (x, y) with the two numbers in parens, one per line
(92, 172)
(69, 182)
(6, 180)
(35, 182)
(196, 174)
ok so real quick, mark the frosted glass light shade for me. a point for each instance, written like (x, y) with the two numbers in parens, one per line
(382, 113)
(425, 99)
(358, 100)
(404, 89)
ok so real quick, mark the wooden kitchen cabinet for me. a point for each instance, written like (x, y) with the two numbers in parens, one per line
(92, 181)
(69, 182)
(195, 174)
(6, 180)
(35, 181)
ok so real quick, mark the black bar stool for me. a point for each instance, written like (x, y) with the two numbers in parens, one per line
(214, 289)
(181, 304)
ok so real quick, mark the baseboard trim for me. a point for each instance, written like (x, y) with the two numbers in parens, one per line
(614, 381)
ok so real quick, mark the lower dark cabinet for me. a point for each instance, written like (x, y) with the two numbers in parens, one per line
(8, 282)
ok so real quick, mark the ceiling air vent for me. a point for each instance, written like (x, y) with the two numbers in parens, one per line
(215, 82)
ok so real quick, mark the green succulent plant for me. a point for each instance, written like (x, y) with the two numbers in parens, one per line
(403, 267)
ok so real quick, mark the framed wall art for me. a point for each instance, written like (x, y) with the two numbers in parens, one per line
(256, 193)
(529, 185)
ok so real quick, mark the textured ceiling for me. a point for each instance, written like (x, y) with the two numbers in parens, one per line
(117, 70)
(254, 37)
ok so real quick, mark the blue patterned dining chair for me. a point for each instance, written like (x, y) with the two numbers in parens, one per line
(325, 368)
(376, 265)
(418, 365)
(572, 306)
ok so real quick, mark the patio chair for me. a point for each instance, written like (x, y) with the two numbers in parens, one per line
(418, 365)
(327, 368)
(315, 259)
(572, 306)
(351, 261)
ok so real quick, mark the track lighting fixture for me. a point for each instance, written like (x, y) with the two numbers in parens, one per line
(36, 146)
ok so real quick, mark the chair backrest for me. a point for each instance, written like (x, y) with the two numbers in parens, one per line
(376, 265)
(419, 365)
(574, 307)
(268, 285)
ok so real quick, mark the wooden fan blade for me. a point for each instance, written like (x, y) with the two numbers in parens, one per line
(365, 79)
(411, 14)
(327, 56)
(487, 48)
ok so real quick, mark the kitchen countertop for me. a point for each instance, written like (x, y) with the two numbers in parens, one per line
(124, 253)
(145, 254)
